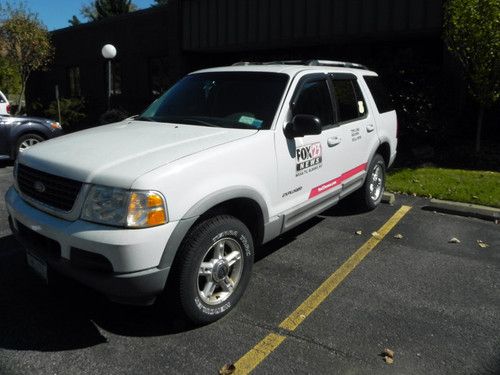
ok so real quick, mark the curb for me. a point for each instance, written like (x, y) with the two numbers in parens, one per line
(388, 198)
(465, 209)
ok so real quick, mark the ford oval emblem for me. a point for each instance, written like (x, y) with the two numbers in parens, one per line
(40, 187)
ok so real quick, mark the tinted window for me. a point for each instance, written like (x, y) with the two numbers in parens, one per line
(314, 99)
(231, 99)
(158, 76)
(350, 102)
(74, 81)
(380, 95)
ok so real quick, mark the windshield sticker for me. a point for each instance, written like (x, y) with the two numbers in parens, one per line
(251, 121)
(361, 107)
(308, 158)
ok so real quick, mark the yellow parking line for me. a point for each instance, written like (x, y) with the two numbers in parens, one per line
(265, 347)
(329, 285)
(258, 353)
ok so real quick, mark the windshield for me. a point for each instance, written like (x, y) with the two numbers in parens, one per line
(245, 100)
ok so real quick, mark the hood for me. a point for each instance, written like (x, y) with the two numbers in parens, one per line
(117, 154)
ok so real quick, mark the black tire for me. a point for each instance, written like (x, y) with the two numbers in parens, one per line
(219, 231)
(366, 197)
(26, 138)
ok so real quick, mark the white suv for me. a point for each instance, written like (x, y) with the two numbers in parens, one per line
(226, 160)
(4, 105)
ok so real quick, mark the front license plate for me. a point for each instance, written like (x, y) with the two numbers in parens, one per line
(39, 266)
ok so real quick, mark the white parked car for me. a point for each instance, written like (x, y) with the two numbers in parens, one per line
(4, 105)
(181, 196)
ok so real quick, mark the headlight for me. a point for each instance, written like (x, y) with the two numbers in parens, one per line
(119, 207)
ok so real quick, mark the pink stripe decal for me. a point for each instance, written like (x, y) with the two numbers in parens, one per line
(336, 181)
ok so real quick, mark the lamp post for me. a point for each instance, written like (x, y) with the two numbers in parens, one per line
(109, 53)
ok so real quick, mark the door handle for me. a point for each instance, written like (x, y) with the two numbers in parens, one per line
(333, 141)
(370, 128)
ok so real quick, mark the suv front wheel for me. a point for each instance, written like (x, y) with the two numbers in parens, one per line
(214, 268)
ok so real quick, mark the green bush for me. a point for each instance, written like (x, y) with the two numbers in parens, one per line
(72, 111)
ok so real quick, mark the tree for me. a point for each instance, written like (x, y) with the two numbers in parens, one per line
(472, 34)
(100, 9)
(74, 21)
(25, 43)
(10, 81)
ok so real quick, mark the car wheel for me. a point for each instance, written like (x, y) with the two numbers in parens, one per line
(370, 195)
(214, 268)
(26, 141)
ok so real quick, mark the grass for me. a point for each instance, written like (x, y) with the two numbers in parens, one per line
(478, 187)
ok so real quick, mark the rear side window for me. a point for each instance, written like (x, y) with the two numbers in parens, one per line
(314, 99)
(2, 99)
(350, 101)
(380, 95)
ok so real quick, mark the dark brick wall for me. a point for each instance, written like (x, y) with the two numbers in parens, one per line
(138, 37)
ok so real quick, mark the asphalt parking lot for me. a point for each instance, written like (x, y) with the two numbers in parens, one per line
(435, 304)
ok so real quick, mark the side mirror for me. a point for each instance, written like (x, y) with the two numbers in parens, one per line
(302, 125)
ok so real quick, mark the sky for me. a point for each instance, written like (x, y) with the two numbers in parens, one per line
(56, 13)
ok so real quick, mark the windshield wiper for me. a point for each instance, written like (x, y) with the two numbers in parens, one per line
(195, 121)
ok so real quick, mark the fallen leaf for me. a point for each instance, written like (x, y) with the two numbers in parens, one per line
(475, 197)
(454, 240)
(388, 360)
(376, 234)
(359, 233)
(413, 194)
(389, 352)
(398, 236)
(227, 369)
(482, 244)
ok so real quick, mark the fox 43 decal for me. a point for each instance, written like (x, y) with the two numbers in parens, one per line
(308, 158)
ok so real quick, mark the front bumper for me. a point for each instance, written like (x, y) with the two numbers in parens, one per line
(127, 268)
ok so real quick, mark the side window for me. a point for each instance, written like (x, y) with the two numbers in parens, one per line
(74, 81)
(314, 99)
(350, 102)
(380, 95)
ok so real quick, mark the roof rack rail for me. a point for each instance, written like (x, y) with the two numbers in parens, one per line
(344, 64)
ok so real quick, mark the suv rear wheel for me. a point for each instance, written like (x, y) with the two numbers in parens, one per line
(370, 194)
(214, 268)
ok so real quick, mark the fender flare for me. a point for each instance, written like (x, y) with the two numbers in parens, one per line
(199, 208)
(26, 127)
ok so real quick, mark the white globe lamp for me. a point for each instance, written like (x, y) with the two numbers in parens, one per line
(109, 53)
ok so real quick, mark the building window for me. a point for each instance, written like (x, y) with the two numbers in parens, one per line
(158, 76)
(74, 81)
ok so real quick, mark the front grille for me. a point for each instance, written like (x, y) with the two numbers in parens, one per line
(54, 191)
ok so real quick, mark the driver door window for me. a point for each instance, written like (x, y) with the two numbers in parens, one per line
(314, 99)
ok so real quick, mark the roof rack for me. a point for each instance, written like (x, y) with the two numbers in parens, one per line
(343, 64)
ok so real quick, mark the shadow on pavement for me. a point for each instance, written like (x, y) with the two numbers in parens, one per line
(66, 315)
(6, 163)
